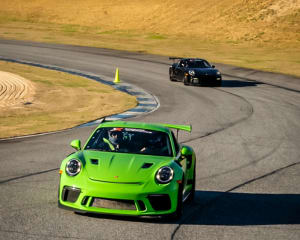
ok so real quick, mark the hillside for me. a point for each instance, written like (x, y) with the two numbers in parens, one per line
(165, 27)
(244, 20)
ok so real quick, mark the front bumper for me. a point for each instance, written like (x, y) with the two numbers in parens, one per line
(117, 198)
(205, 79)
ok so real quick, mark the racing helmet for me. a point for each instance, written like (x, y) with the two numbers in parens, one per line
(115, 135)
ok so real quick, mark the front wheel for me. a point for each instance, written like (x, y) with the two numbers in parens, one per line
(179, 209)
(186, 80)
(193, 190)
(171, 75)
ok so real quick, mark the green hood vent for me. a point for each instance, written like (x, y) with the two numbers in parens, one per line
(147, 165)
(121, 167)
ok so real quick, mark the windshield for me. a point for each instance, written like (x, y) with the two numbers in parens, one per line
(130, 140)
(198, 64)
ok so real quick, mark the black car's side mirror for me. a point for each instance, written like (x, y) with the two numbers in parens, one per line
(213, 66)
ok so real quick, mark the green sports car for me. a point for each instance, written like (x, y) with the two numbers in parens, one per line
(129, 168)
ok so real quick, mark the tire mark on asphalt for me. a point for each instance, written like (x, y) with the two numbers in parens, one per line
(42, 236)
(231, 124)
(245, 165)
(261, 82)
(28, 175)
(198, 207)
(228, 126)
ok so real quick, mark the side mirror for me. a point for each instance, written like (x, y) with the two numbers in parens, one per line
(185, 151)
(213, 66)
(76, 144)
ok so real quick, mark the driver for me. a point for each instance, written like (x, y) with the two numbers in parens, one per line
(115, 139)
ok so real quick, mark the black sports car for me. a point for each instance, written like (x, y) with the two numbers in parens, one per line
(194, 71)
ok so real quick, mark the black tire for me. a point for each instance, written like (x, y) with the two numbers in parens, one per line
(171, 75)
(172, 79)
(186, 81)
(58, 191)
(179, 209)
(193, 190)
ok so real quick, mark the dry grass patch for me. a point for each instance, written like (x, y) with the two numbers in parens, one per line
(60, 101)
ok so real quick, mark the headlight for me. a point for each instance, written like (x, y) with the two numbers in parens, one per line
(218, 73)
(192, 72)
(164, 175)
(73, 167)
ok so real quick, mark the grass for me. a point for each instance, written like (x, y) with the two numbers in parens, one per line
(70, 28)
(56, 104)
(156, 36)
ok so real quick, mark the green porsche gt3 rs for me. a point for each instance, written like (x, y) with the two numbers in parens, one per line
(129, 168)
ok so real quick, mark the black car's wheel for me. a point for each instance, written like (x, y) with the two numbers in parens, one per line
(186, 80)
(179, 209)
(171, 75)
(172, 79)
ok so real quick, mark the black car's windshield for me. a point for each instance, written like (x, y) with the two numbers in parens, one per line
(130, 140)
(198, 64)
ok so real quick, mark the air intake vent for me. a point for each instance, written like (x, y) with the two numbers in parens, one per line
(70, 194)
(160, 202)
(94, 161)
(147, 165)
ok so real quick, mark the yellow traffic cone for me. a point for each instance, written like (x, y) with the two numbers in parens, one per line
(117, 79)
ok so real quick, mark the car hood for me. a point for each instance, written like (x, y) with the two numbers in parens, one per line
(209, 71)
(122, 167)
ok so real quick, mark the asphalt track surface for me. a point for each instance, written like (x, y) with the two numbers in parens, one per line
(246, 135)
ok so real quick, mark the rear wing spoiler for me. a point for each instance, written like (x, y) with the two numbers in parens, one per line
(178, 127)
(187, 128)
(175, 58)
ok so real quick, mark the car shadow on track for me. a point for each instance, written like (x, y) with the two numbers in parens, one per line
(239, 83)
(231, 209)
(231, 84)
(221, 208)
(146, 219)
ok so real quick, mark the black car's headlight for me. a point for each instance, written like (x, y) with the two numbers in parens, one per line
(164, 174)
(192, 72)
(218, 73)
(73, 167)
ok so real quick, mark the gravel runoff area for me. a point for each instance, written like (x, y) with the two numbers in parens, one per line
(14, 90)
